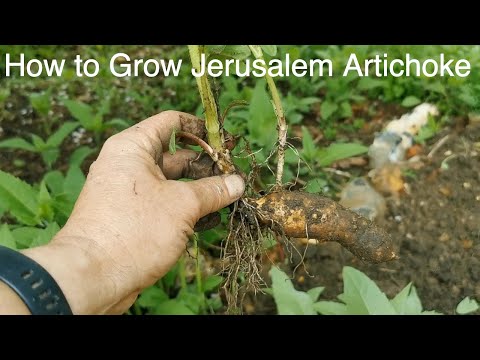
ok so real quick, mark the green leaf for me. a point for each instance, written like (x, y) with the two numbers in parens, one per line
(74, 181)
(431, 312)
(79, 155)
(56, 139)
(50, 156)
(212, 283)
(362, 296)
(119, 124)
(269, 49)
(467, 306)
(45, 235)
(337, 152)
(367, 83)
(172, 307)
(437, 87)
(261, 117)
(82, 112)
(17, 143)
(407, 302)
(239, 52)
(45, 203)
(345, 110)
(25, 235)
(327, 109)
(38, 142)
(172, 146)
(3, 209)
(289, 301)
(41, 102)
(20, 198)
(4, 94)
(214, 49)
(191, 299)
(6, 237)
(54, 181)
(151, 297)
(315, 186)
(411, 101)
(308, 146)
(256, 51)
(315, 292)
(330, 308)
(63, 207)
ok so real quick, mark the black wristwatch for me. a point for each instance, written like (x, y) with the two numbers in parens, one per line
(35, 286)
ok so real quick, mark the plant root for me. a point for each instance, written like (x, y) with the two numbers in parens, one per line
(305, 215)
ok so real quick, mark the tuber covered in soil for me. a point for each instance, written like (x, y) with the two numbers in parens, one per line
(305, 215)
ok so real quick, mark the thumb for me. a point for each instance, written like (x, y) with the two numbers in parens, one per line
(216, 192)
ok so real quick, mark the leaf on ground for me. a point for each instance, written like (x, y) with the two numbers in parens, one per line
(362, 296)
(239, 52)
(6, 237)
(24, 236)
(17, 143)
(45, 235)
(407, 302)
(151, 297)
(74, 181)
(56, 139)
(289, 301)
(315, 292)
(327, 109)
(81, 111)
(79, 155)
(337, 152)
(269, 49)
(411, 101)
(212, 283)
(20, 198)
(308, 146)
(261, 116)
(330, 308)
(467, 306)
(172, 307)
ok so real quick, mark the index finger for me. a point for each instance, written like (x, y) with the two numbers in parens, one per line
(153, 134)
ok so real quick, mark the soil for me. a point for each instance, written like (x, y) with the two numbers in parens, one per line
(435, 227)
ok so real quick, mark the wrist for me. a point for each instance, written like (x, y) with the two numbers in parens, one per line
(77, 274)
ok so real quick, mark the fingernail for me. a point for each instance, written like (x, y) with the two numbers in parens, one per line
(235, 185)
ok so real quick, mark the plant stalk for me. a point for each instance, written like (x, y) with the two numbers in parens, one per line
(281, 121)
(212, 122)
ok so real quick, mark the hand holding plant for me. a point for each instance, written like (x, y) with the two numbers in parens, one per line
(131, 222)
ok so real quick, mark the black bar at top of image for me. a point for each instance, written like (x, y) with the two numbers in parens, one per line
(131, 30)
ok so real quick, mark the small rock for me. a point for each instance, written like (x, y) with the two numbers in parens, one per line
(477, 198)
(409, 236)
(398, 218)
(448, 153)
(444, 237)
(444, 190)
(467, 185)
(467, 244)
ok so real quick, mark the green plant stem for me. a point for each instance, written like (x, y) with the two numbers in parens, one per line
(181, 272)
(281, 121)
(198, 270)
(211, 114)
(198, 273)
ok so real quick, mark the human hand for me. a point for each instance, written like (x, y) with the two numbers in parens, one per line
(132, 221)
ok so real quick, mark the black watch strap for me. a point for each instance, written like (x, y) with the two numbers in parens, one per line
(35, 286)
